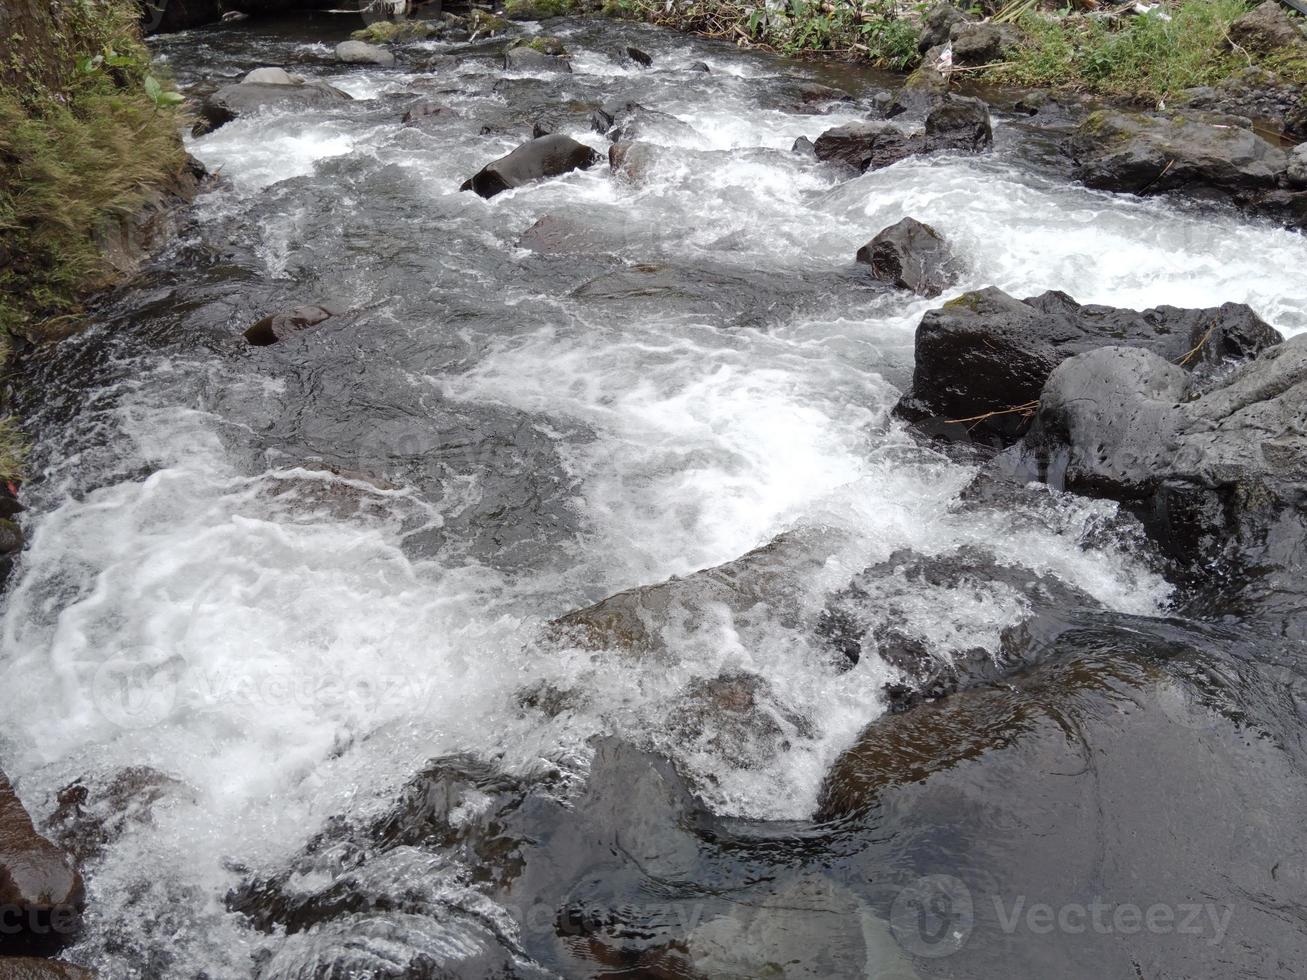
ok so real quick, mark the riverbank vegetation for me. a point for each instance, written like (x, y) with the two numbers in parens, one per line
(1112, 50)
(86, 133)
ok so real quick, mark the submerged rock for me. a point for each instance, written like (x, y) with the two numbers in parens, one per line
(548, 156)
(529, 59)
(430, 115)
(246, 98)
(628, 122)
(277, 327)
(988, 352)
(95, 812)
(911, 255)
(41, 891)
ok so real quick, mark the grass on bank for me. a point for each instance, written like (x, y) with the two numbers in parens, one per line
(1145, 58)
(85, 132)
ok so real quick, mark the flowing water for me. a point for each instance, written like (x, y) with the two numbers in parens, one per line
(286, 578)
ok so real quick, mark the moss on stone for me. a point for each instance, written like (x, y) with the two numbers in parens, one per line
(538, 9)
(488, 24)
(397, 31)
(544, 44)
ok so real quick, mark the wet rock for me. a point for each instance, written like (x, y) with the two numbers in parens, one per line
(911, 255)
(398, 31)
(543, 127)
(1258, 94)
(40, 889)
(11, 538)
(981, 44)
(485, 24)
(1152, 153)
(277, 327)
(988, 352)
(1269, 29)
(636, 56)
(94, 811)
(32, 968)
(958, 123)
(562, 235)
(919, 92)
(530, 60)
(937, 26)
(233, 101)
(814, 95)
(735, 715)
(634, 161)
(804, 147)
(881, 612)
(700, 66)
(628, 122)
(543, 43)
(867, 145)
(272, 76)
(1297, 169)
(1219, 476)
(634, 621)
(362, 53)
(549, 156)
(430, 115)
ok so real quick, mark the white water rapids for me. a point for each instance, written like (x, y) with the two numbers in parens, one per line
(305, 664)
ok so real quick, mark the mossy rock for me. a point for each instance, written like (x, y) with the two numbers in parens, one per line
(488, 24)
(392, 32)
(544, 44)
(538, 9)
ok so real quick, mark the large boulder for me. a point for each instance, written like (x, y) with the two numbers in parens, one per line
(958, 123)
(1269, 29)
(919, 92)
(911, 255)
(982, 359)
(1220, 474)
(867, 145)
(549, 156)
(362, 53)
(246, 98)
(981, 44)
(1152, 153)
(41, 891)
(938, 24)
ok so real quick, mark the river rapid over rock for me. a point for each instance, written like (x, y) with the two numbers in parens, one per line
(294, 616)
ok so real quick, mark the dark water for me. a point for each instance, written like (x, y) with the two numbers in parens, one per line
(305, 585)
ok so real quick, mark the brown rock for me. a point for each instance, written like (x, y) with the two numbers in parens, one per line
(1268, 28)
(34, 968)
(40, 891)
(279, 326)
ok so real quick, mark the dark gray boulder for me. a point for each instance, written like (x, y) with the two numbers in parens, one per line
(867, 145)
(1269, 29)
(549, 156)
(911, 255)
(981, 44)
(1218, 478)
(246, 98)
(988, 352)
(919, 92)
(937, 26)
(804, 147)
(958, 123)
(634, 55)
(1194, 152)
(1297, 169)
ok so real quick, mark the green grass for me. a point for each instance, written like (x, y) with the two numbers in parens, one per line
(85, 133)
(1144, 57)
